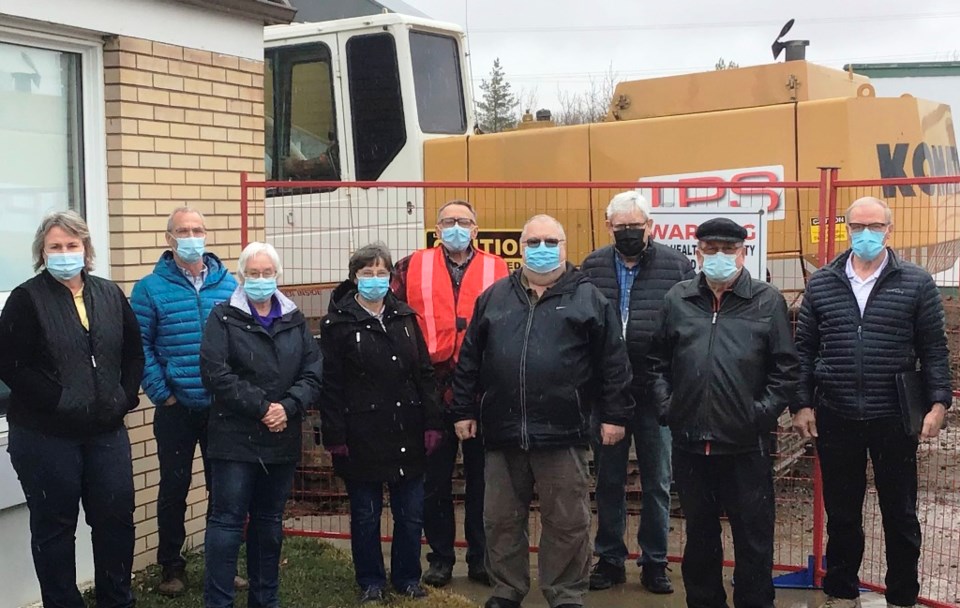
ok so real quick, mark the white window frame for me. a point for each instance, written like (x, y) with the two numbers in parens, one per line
(93, 120)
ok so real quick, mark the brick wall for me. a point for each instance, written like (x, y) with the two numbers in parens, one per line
(182, 124)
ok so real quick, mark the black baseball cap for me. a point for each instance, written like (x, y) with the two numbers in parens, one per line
(721, 229)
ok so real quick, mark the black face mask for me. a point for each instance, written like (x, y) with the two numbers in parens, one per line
(630, 241)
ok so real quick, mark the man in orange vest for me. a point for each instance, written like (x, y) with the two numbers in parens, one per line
(442, 284)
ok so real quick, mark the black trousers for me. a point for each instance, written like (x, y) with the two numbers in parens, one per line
(843, 446)
(741, 486)
(178, 430)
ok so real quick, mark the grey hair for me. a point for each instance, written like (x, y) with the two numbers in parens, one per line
(369, 255)
(543, 217)
(173, 215)
(460, 203)
(870, 200)
(73, 224)
(628, 201)
(253, 250)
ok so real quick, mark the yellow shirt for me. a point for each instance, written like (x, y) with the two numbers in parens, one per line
(81, 309)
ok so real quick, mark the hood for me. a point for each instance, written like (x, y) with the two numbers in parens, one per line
(239, 301)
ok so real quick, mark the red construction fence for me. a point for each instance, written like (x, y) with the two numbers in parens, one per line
(317, 225)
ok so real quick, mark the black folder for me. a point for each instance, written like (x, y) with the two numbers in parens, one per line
(914, 405)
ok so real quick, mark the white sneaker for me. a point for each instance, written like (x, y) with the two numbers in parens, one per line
(837, 602)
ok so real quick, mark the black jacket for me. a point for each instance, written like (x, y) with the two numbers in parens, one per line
(541, 367)
(659, 268)
(848, 364)
(64, 380)
(378, 393)
(722, 375)
(246, 368)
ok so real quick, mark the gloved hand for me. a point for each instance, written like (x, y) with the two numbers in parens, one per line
(432, 440)
(339, 450)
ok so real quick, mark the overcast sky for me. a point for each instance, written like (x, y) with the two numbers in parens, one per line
(560, 44)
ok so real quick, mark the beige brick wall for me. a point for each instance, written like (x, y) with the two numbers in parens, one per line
(182, 124)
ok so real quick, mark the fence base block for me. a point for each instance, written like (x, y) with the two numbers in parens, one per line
(801, 579)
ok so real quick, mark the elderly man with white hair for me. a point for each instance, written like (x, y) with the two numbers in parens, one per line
(635, 273)
(262, 367)
(543, 350)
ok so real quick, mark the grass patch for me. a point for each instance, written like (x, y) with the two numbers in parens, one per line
(313, 574)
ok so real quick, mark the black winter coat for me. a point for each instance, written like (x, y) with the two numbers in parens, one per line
(848, 363)
(246, 367)
(541, 367)
(379, 394)
(64, 380)
(721, 375)
(660, 268)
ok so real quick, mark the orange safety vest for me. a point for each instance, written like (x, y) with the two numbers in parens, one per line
(430, 293)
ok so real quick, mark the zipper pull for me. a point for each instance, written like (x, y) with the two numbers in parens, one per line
(358, 337)
(860, 332)
(93, 360)
(714, 322)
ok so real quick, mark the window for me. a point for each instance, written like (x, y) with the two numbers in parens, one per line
(438, 83)
(379, 132)
(300, 115)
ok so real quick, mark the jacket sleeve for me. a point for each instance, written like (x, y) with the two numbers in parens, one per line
(304, 393)
(466, 378)
(610, 355)
(20, 347)
(398, 284)
(154, 380)
(931, 344)
(333, 424)
(131, 368)
(427, 383)
(659, 359)
(224, 384)
(783, 367)
(808, 348)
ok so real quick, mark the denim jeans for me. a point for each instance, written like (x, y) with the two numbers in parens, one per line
(406, 506)
(57, 475)
(178, 430)
(653, 445)
(439, 524)
(239, 489)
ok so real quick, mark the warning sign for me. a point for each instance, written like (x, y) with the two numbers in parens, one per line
(502, 242)
(677, 228)
(839, 229)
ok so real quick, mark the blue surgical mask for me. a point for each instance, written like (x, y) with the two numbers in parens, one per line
(456, 238)
(191, 248)
(720, 267)
(867, 244)
(260, 290)
(373, 289)
(542, 259)
(65, 266)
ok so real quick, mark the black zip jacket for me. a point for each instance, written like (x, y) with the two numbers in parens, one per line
(378, 393)
(848, 363)
(64, 380)
(659, 268)
(541, 367)
(722, 372)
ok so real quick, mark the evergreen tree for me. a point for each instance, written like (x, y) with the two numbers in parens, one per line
(497, 108)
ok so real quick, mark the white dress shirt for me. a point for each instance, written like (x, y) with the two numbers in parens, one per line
(863, 287)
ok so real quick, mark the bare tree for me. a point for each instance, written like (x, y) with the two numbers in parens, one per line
(529, 99)
(587, 106)
(723, 64)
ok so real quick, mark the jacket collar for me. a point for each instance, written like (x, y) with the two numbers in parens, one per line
(167, 268)
(645, 257)
(742, 287)
(839, 264)
(239, 301)
(343, 303)
(567, 283)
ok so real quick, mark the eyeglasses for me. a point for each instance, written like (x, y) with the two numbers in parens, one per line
(463, 222)
(874, 227)
(256, 274)
(730, 249)
(548, 242)
(619, 227)
(186, 232)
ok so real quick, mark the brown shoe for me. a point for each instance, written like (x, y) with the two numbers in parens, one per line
(240, 583)
(173, 584)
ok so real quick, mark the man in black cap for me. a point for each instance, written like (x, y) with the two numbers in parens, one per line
(722, 368)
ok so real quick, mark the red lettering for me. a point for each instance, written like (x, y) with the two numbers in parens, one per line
(751, 231)
(686, 198)
(659, 231)
(676, 232)
(691, 231)
(746, 177)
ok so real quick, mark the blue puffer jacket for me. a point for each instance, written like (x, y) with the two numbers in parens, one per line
(171, 314)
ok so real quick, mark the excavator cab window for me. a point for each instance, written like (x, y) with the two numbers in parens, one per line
(438, 83)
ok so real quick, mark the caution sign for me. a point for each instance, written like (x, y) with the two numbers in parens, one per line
(839, 229)
(502, 242)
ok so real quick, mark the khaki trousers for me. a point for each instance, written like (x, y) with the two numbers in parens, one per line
(561, 479)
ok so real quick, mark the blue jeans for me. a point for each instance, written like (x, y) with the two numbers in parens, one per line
(653, 447)
(56, 475)
(366, 505)
(236, 490)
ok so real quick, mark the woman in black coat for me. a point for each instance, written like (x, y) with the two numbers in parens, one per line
(380, 417)
(262, 368)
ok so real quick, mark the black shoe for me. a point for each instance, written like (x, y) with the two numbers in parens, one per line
(414, 591)
(605, 575)
(501, 602)
(478, 574)
(654, 578)
(371, 594)
(438, 575)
